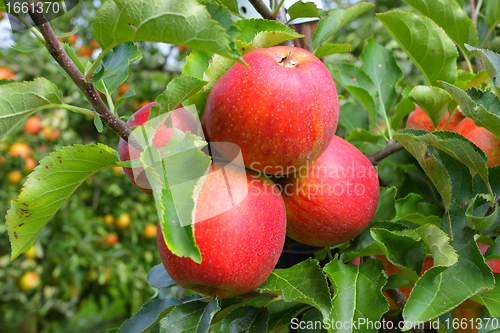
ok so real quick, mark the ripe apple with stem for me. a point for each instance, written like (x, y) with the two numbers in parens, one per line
(240, 246)
(281, 111)
(334, 199)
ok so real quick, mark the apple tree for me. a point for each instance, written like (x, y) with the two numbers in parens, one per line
(423, 259)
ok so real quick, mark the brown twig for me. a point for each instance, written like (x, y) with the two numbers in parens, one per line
(473, 12)
(391, 148)
(88, 89)
(492, 205)
(262, 9)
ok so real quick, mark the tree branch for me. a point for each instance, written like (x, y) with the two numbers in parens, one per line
(391, 148)
(56, 50)
(262, 9)
(490, 208)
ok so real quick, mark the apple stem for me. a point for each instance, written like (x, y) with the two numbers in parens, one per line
(287, 61)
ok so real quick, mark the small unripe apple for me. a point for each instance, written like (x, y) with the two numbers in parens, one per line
(32, 125)
(30, 164)
(334, 199)
(29, 280)
(50, 134)
(282, 111)
(109, 219)
(239, 247)
(483, 138)
(150, 230)
(181, 119)
(31, 253)
(6, 74)
(19, 149)
(85, 51)
(112, 239)
(14, 176)
(123, 221)
(419, 119)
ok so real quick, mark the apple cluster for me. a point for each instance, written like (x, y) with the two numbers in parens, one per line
(457, 123)
(281, 113)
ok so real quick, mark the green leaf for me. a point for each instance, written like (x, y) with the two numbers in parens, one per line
(246, 319)
(353, 116)
(360, 134)
(432, 51)
(122, 99)
(159, 278)
(150, 314)
(98, 123)
(305, 9)
(441, 289)
(433, 101)
(402, 110)
(67, 34)
(176, 173)
(470, 109)
(489, 59)
(232, 5)
(412, 208)
(281, 314)
(190, 317)
(493, 251)
(19, 100)
(72, 54)
(492, 13)
(460, 148)
(490, 325)
(481, 222)
(121, 21)
(461, 182)
(381, 66)
(304, 282)
(178, 90)
(196, 64)
(261, 33)
(438, 244)
(48, 186)
(386, 209)
(335, 20)
(27, 47)
(434, 169)
(311, 318)
(114, 68)
(492, 298)
(402, 251)
(357, 83)
(365, 245)
(331, 48)
(358, 292)
(450, 16)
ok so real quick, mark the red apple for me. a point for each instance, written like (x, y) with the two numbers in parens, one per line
(494, 264)
(32, 125)
(419, 119)
(335, 199)
(181, 119)
(483, 138)
(239, 247)
(282, 112)
(29, 280)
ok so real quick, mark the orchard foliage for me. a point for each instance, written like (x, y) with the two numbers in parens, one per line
(437, 197)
